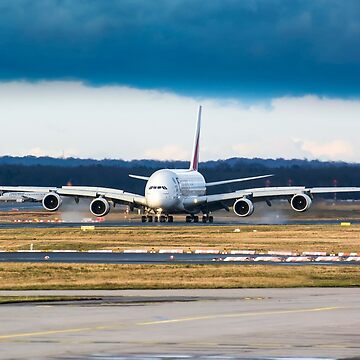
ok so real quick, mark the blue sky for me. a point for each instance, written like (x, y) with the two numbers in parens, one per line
(242, 55)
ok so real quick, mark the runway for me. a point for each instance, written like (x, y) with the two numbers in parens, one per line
(104, 257)
(194, 324)
(279, 214)
(137, 223)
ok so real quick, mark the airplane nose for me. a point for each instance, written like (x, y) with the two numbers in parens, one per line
(154, 200)
(157, 200)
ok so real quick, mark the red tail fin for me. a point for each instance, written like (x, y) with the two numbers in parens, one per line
(195, 155)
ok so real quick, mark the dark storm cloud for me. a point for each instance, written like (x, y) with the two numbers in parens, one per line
(253, 47)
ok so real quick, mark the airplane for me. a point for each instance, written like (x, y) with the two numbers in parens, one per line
(180, 191)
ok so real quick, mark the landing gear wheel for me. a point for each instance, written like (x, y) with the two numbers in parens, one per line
(170, 219)
(149, 218)
(204, 219)
(156, 218)
(143, 218)
(211, 219)
(162, 218)
(188, 219)
(196, 219)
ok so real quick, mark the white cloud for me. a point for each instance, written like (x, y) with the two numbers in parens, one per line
(52, 118)
(41, 152)
(332, 150)
(168, 152)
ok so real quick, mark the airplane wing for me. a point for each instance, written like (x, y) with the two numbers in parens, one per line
(280, 192)
(109, 193)
(22, 196)
(139, 177)
(222, 182)
(116, 195)
(224, 200)
(29, 189)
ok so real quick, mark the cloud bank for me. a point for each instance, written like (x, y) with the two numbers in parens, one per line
(74, 119)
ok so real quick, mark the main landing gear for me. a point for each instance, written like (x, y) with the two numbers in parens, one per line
(169, 218)
(157, 218)
(194, 218)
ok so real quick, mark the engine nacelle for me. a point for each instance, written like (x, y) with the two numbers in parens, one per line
(300, 202)
(243, 207)
(51, 201)
(99, 207)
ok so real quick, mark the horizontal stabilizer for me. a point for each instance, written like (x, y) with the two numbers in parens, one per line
(237, 180)
(146, 178)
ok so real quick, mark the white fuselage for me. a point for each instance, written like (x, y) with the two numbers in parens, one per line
(169, 191)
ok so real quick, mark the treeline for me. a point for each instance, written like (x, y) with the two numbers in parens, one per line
(232, 162)
(286, 172)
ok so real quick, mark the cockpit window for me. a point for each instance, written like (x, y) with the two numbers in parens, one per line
(164, 187)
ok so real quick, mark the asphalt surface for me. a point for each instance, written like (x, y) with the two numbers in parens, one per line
(277, 215)
(160, 258)
(136, 223)
(195, 324)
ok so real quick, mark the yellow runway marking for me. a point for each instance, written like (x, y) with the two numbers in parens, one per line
(180, 320)
(224, 316)
(40, 333)
(54, 332)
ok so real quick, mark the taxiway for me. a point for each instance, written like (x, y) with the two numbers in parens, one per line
(108, 257)
(137, 223)
(244, 323)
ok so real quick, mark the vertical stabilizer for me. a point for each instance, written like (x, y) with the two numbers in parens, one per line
(195, 155)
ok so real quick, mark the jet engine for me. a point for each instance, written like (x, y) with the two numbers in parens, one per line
(51, 201)
(300, 202)
(99, 207)
(243, 207)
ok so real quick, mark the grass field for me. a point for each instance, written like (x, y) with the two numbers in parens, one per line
(329, 238)
(296, 238)
(21, 276)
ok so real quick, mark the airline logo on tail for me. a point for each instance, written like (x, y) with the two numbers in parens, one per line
(195, 155)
